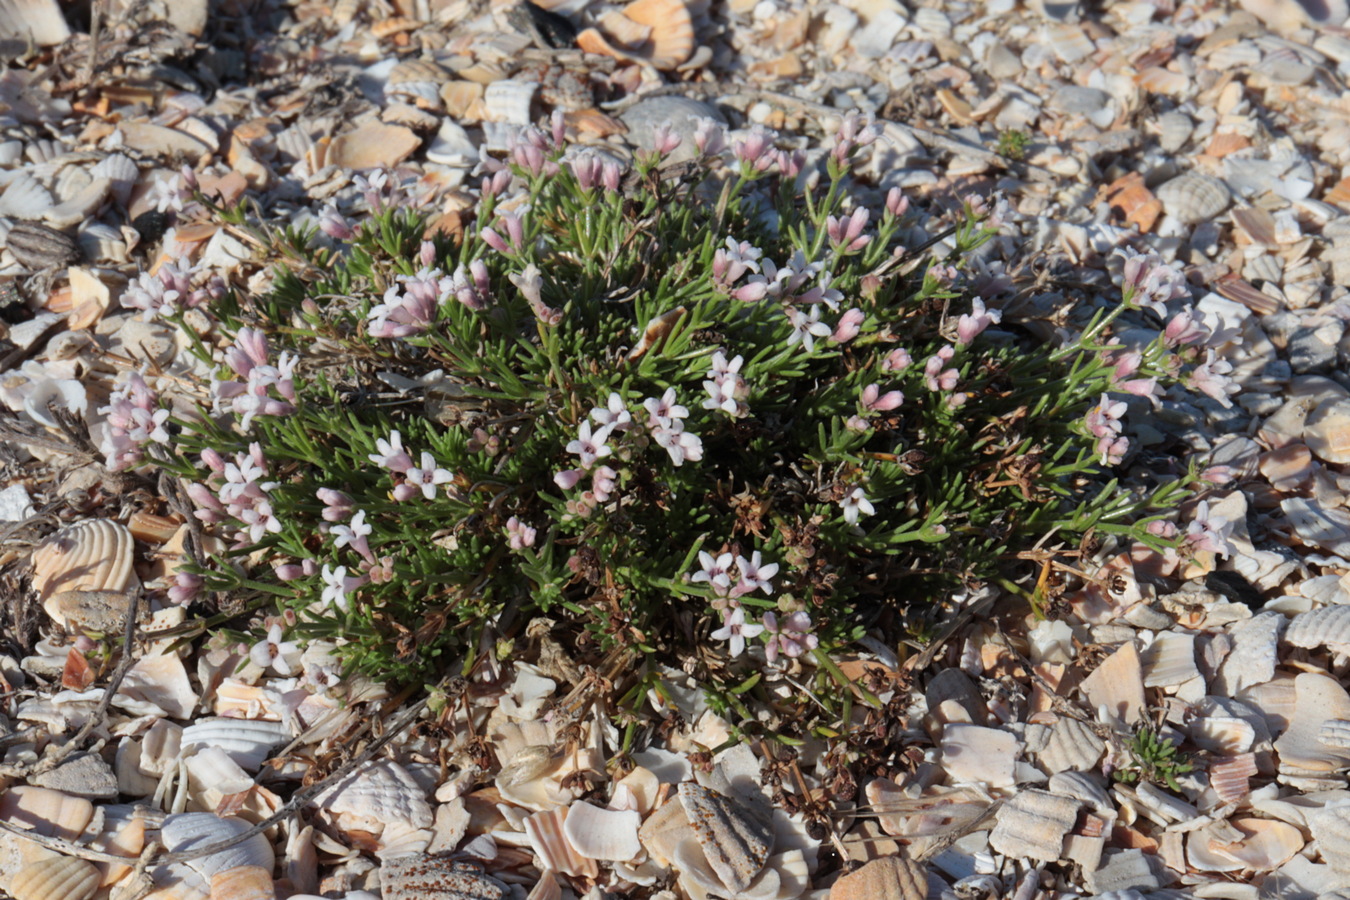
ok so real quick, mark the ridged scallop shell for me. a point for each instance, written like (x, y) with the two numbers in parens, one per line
(1330, 827)
(509, 101)
(1320, 627)
(1174, 130)
(80, 206)
(94, 555)
(1194, 197)
(1169, 660)
(248, 742)
(888, 878)
(437, 878)
(1081, 786)
(46, 811)
(735, 842)
(548, 840)
(186, 831)
(377, 795)
(55, 878)
(1225, 735)
(121, 171)
(1033, 824)
(25, 198)
(1254, 655)
(243, 883)
(1072, 745)
(419, 79)
(607, 834)
(1265, 267)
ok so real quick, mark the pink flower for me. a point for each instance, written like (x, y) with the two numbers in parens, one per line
(568, 478)
(664, 139)
(897, 360)
(735, 630)
(753, 575)
(969, 327)
(602, 482)
(755, 152)
(792, 638)
(519, 535)
(875, 401)
(709, 136)
(391, 454)
(1209, 533)
(426, 477)
(716, 570)
(850, 324)
(1184, 328)
(897, 204)
(1211, 378)
(935, 376)
(846, 235)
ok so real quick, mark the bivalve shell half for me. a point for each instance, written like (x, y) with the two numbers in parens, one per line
(509, 101)
(425, 877)
(549, 841)
(419, 80)
(672, 31)
(1325, 627)
(736, 843)
(888, 878)
(94, 555)
(187, 831)
(375, 797)
(1326, 431)
(1194, 197)
(46, 811)
(55, 878)
(243, 883)
(248, 742)
(1033, 823)
(1072, 747)
(607, 834)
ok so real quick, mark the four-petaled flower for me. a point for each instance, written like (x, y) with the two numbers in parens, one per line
(272, 651)
(754, 575)
(854, 504)
(590, 446)
(806, 327)
(735, 629)
(427, 477)
(716, 570)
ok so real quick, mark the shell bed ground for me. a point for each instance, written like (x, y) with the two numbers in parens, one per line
(1025, 759)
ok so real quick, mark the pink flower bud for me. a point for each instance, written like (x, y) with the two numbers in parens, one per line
(850, 323)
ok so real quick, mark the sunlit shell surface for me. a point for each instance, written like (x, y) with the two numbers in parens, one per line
(243, 883)
(437, 878)
(1320, 627)
(1300, 752)
(248, 742)
(186, 831)
(1033, 823)
(603, 833)
(376, 795)
(45, 811)
(57, 878)
(973, 753)
(736, 843)
(1258, 845)
(420, 79)
(549, 841)
(889, 878)
(94, 555)
(509, 101)
(1194, 197)
(1072, 745)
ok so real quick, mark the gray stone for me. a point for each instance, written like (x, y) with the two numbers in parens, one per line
(1081, 101)
(645, 116)
(87, 775)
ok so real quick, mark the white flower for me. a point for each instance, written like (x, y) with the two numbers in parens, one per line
(662, 410)
(736, 630)
(428, 476)
(335, 587)
(352, 534)
(856, 502)
(272, 651)
(716, 570)
(806, 327)
(754, 575)
(590, 446)
(614, 415)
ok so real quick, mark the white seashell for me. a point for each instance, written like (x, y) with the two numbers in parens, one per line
(375, 796)
(1117, 684)
(157, 686)
(1169, 660)
(1317, 525)
(973, 753)
(24, 198)
(509, 101)
(1265, 267)
(1072, 745)
(186, 831)
(81, 206)
(549, 841)
(213, 775)
(1326, 430)
(452, 146)
(604, 834)
(424, 877)
(103, 243)
(121, 171)
(56, 877)
(1261, 845)
(1161, 806)
(735, 842)
(37, 20)
(1325, 627)
(1253, 657)
(1330, 827)
(1125, 870)
(93, 555)
(1223, 735)
(1317, 699)
(1033, 824)
(932, 21)
(47, 394)
(1082, 786)
(418, 79)
(1174, 129)
(1193, 197)
(248, 742)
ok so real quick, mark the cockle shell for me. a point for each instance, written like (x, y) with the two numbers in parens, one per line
(93, 555)
(606, 834)
(1330, 827)
(1325, 627)
(247, 742)
(379, 795)
(25, 198)
(55, 878)
(660, 32)
(418, 79)
(1033, 823)
(79, 206)
(888, 878)
(1072, 746)
(186, 831)
(1194, 197)
(1228, 776)
(509, 101)
(736, 843)
(1174, 129)
(437, 878)
(243, 883)
(1169, 660)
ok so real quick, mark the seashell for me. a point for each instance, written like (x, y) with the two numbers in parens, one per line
(1287, 467)
(672, 31)
(1258, 224)
(437, 878)
(1317, 699)
(103, 243)
(393, 26)
(247, 742)
(1134, 201)
(121, 172)
(735, 842)
(509, 101)
(548, 839)
(606, 834)
(1033, 824)
(452, 146)
(1328, 626)
(243, 883)
(1072, 746)
(1174, 130)
(1326, 431)
(1264, 267)
(1129, 871)
(1082, 786)
(25, 198)
(459, 97)
(93, 555)
(1224, 735)
(187, 831)
(1194, 197)
(1169, 660)
(1228, 776)
(624, 30)
(45, 811)
(1117, 684)
(1318, 526)
(55, 877)
(1068, 42)
(371, 146)
(80, 206)
(158, 141)
(1330, 827)
(932, 22)
(37, 20)
(374, 797)
(888, 878)
(973, 753)
(418, 79)
(1263, 844)
(410, 116)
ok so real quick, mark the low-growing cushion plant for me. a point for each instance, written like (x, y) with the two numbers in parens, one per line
(719, 412)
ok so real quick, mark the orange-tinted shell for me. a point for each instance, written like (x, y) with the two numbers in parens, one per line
(663, 29)
(61, 877)
(243, 883)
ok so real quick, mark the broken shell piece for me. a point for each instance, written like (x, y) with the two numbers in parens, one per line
(425, 877)
(1194, 197)
(373, 145)
(509, 101)
(45, 811)
(1254, 654)
(1259, 845)
(187, 831)
(973, 753)
(605, 834)
(550, 844)
(56, 877)
(1169, 660)
(657, 31)
(1330, 827)
(1072, 745)
(373, 798)
(1325, 627)
(248, 742)
(1228, 776)
(1117, 684)
(1317, 699)
(418, 79)
(1033, 823)
(735, 843)
(94, 555)
(1326, 431)
(243, 883)
(888, 878)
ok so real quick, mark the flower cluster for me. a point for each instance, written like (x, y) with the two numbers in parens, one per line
(135, 421)
(425, 477)
(1149, 283)
(169, 291)
(236, 491)
(1103, 423)
(726, 388)
(265, 389)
